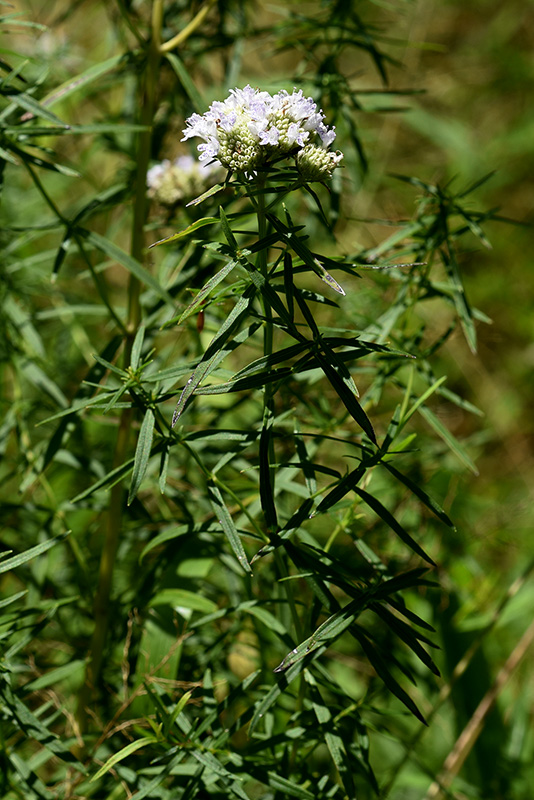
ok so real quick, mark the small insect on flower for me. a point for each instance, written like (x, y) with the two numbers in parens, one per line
(253, 128)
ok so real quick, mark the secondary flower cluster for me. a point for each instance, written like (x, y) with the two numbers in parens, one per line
(170, 182)
(252, 128)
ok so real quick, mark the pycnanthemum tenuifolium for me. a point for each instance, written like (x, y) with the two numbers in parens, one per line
(252, 128)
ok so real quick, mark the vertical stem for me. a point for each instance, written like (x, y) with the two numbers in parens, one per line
(102, 608)
(147, 101)
(268, 399)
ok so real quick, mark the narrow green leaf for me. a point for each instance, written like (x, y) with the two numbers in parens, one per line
(209, 193)
(383, 672)
(282, 684)
(267, 500)
(269, 361)
(83, 79)
(33, 729)
(137, 347)
(108, 480)
(184, 599)
(142, 453)
(180, 705)
(6, 155)
(195, 226)
(390, 520)
(175, 533)
(416, 489)
(217, 350)
(30, 158)
(164, 466)
(333, 740)
(447, 437)
(55, 676)
(227, 524)
(128, 262)
(80, 406)
(463, 308)
(346, 396)
(408, 636)
(203, 294)
(39, 378)
(33, 552)
(7, 601)
(28, 103)
(256, 381)
(133, 747)
(187, 82)
(420, 400)
(289, 789)
(289, 285)
(298, 246)
(230, 238)
(108, 365)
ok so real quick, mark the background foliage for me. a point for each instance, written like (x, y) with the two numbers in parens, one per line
(192, 641)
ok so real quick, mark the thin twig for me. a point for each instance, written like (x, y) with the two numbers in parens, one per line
(465, 742)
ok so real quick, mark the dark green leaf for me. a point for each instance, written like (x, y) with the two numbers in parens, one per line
(142, 453)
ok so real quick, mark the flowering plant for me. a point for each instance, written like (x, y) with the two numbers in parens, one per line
(251, 129)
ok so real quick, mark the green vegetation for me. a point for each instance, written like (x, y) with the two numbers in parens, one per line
(266, 445)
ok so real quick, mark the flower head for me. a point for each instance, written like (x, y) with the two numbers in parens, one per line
(252, 128)
(185, 177)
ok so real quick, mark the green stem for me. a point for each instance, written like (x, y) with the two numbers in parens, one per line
(102, 605)
(147, 101)
(268, 402)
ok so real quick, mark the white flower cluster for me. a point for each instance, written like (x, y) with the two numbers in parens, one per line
(170, 182)
(252, 128)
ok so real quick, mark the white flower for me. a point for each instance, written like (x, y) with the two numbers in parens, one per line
(252, 128)
(169, 183)
(155, 174)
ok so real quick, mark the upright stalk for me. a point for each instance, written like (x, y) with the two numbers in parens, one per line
(102, 608)
(268, 402)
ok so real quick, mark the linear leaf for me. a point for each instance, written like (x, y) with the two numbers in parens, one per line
(227, 524)
(136, 347)
(205, 195)
(54, 676)
(383, 672)
(447, 437)
(110, 479)
(204, 292)
(390, 520)
(142, 453)
(347, 397)
(333, 740)
(83, 79)
(195, 226)
(460, 300)
(28, 103)
(425, 498)
(216, 350)
(280, 686)
(289, 788)
(128, 262)
(191, 90)
(298, 246)
(133, 747)
(183, 598)
(33, 552)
